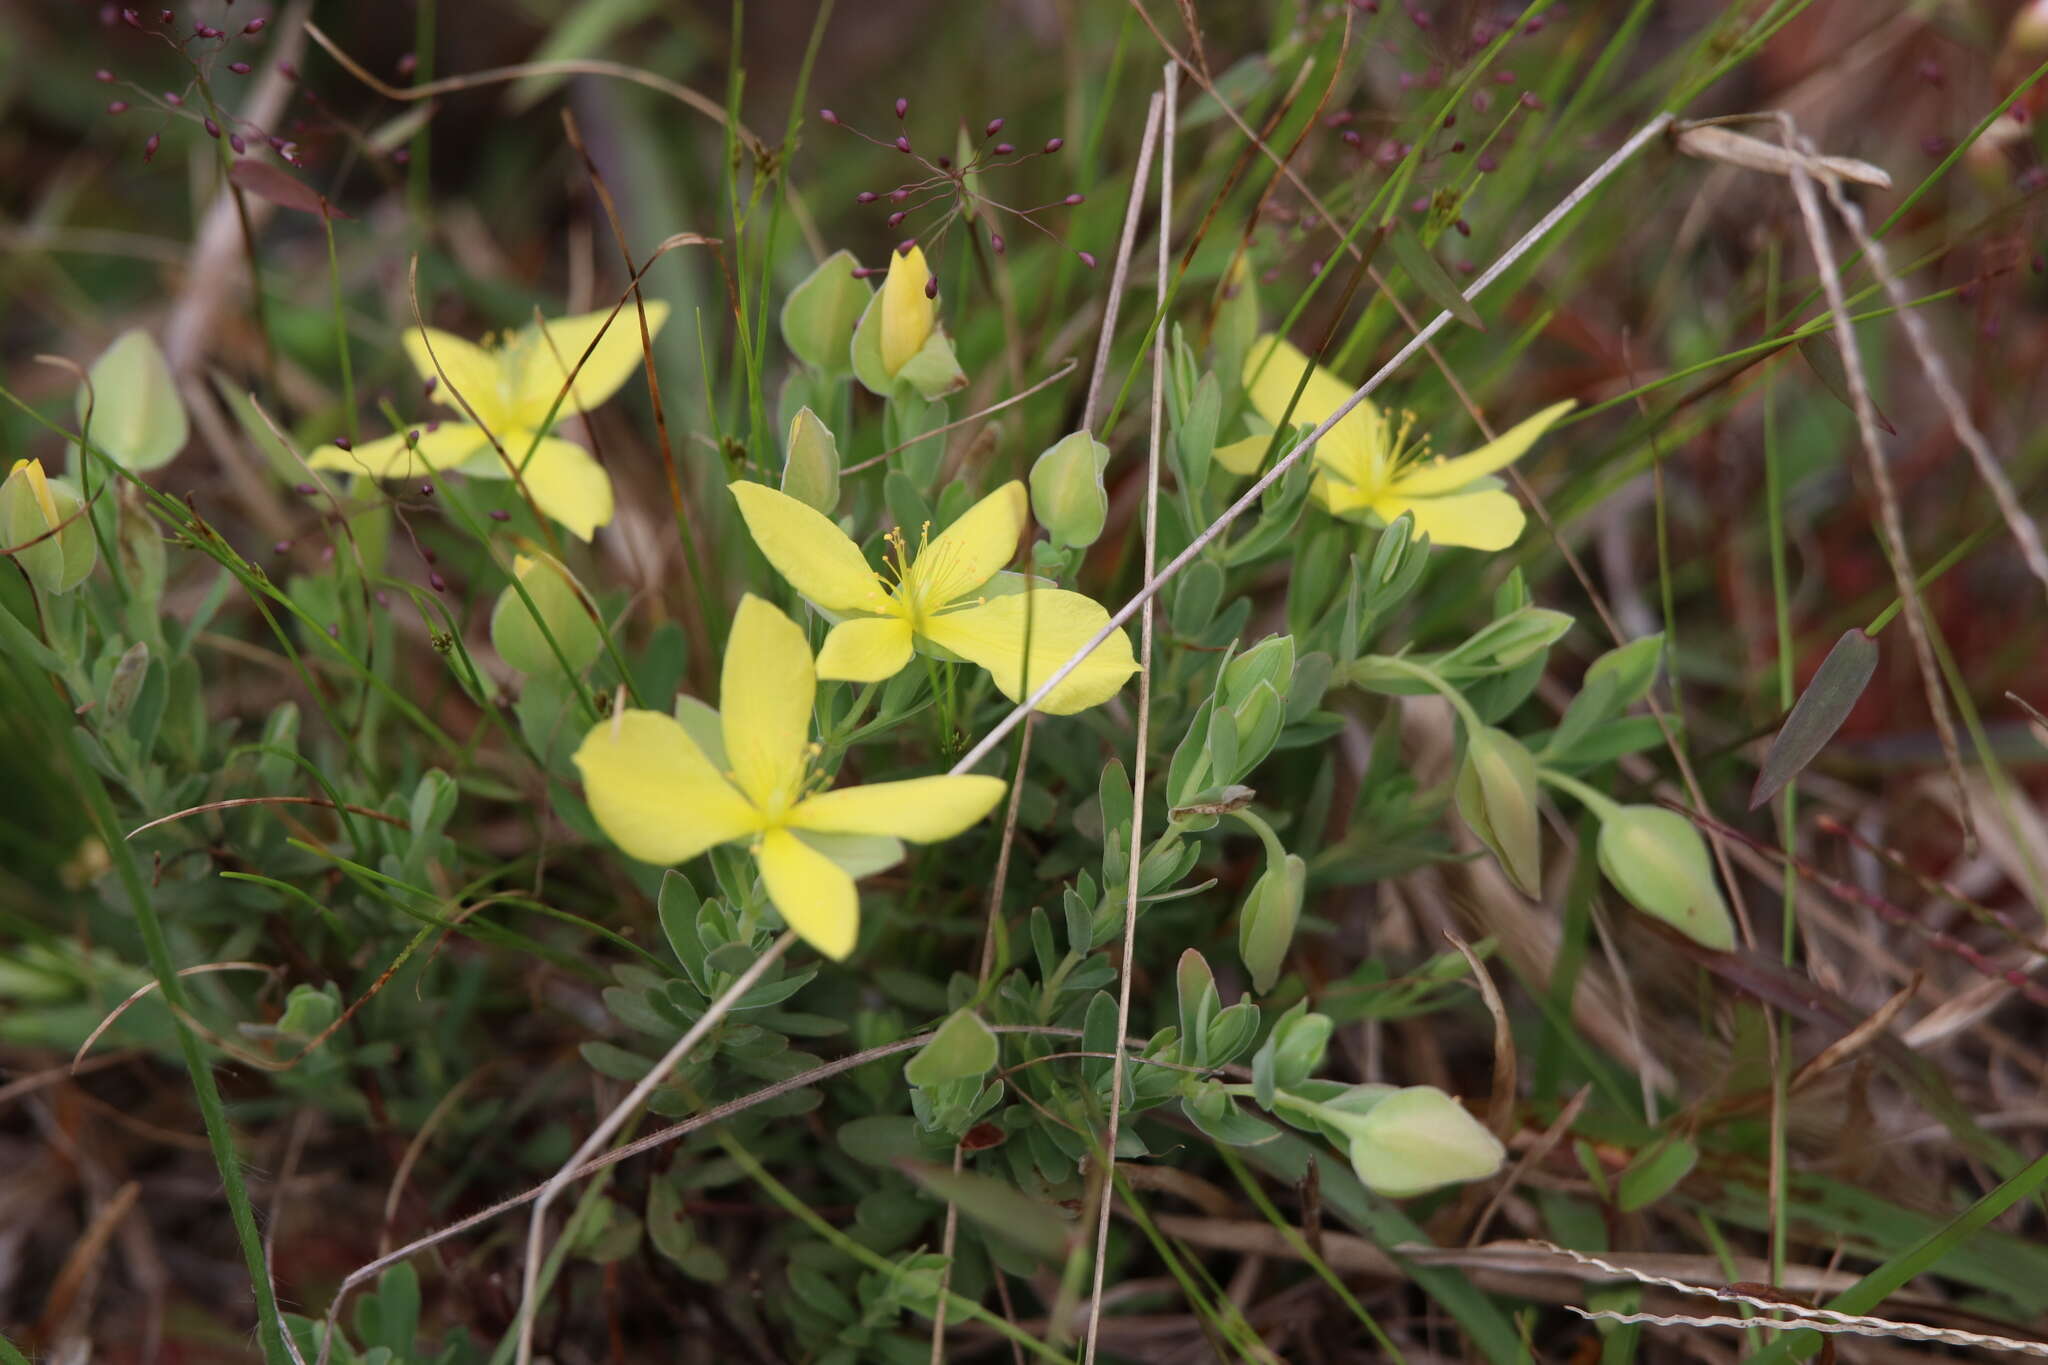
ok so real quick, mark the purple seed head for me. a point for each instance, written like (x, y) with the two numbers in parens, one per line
(994, 126)
(305, 489)
(239, 68)
(164, 16)
(902, 144)
(131, 18)
(1351, 138)
(1087, 259)
(408, 63)
(902, 106)
(206, 31)
(1531, 100)
(235, 141)
(931, 286)
(866, 197)
(898, 195)
(1464, 228)
(827, 116)
(255, 26)
(343, 443)
(436, 582)
(288, 71)
(1005, 148)
(212, 128)
(427, 491)
(149, 148)
(896, 219)
(945, 163)
(173, 98)
(334, 631)
(283, 547)
(117, 106)
(103, 76)
(1458, 146)
(401, 156)
(1073, 199)
(1053, 144)
(996, 242)
(906, 246)
(1488, 162)
(500, 514)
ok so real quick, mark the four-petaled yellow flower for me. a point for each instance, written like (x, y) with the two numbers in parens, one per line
(512, 386)
(663, 799)
(937, 595)
(1365, 463)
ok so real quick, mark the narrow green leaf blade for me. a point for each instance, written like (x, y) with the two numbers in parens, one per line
(1432, 279)
(1819, 712)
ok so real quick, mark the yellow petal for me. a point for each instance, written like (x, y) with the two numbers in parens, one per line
(907, 315)
(1448, 476)
(808, 550)
(815, 896)
(865, 649)
(654, 792)
(463, 368)
(566, 484)
(970, 551)
(1486, 520)
(1060, 622)
(920, 809)
(1243, 457)
(440, 447)
(1354, 446)
(1339, 497)
(542, 356)
(764, 696)
(39, 484)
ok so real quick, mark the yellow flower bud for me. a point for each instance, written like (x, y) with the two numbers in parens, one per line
(32, 507)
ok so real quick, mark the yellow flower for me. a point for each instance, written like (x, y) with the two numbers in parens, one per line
(907, 315)
(663, 799)
(937, 596)
(1367, 465)
(511, 386)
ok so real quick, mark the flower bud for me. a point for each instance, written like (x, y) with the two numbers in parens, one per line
(1659, 862)
(32, 505)
(810, 463)
(1496, 796)
(1412, 1140)
(517, 636)
(1067, 495)
(994, 126)
(1265, 927)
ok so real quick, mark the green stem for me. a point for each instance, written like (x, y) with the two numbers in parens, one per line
(1436, 681)
(220, 1138)
(348, 376)
(1601, 805)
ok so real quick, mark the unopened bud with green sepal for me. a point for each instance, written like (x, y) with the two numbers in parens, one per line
(1496, 796)
(1067, 496)
(810, 463)
(1412, 1140)
(33, 506)
(517, 635)
(1265, 927)
(1657, 859)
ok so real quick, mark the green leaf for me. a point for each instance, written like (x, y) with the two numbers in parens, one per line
(1220, 1120)
(1000, 1208)
(881, 1139)
(1198, 1001)
(668, 1227)
(1431, 278)
(135, 413)
(1827, 701)
(820, 314)
(1655, 1172)
(962, 1047)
